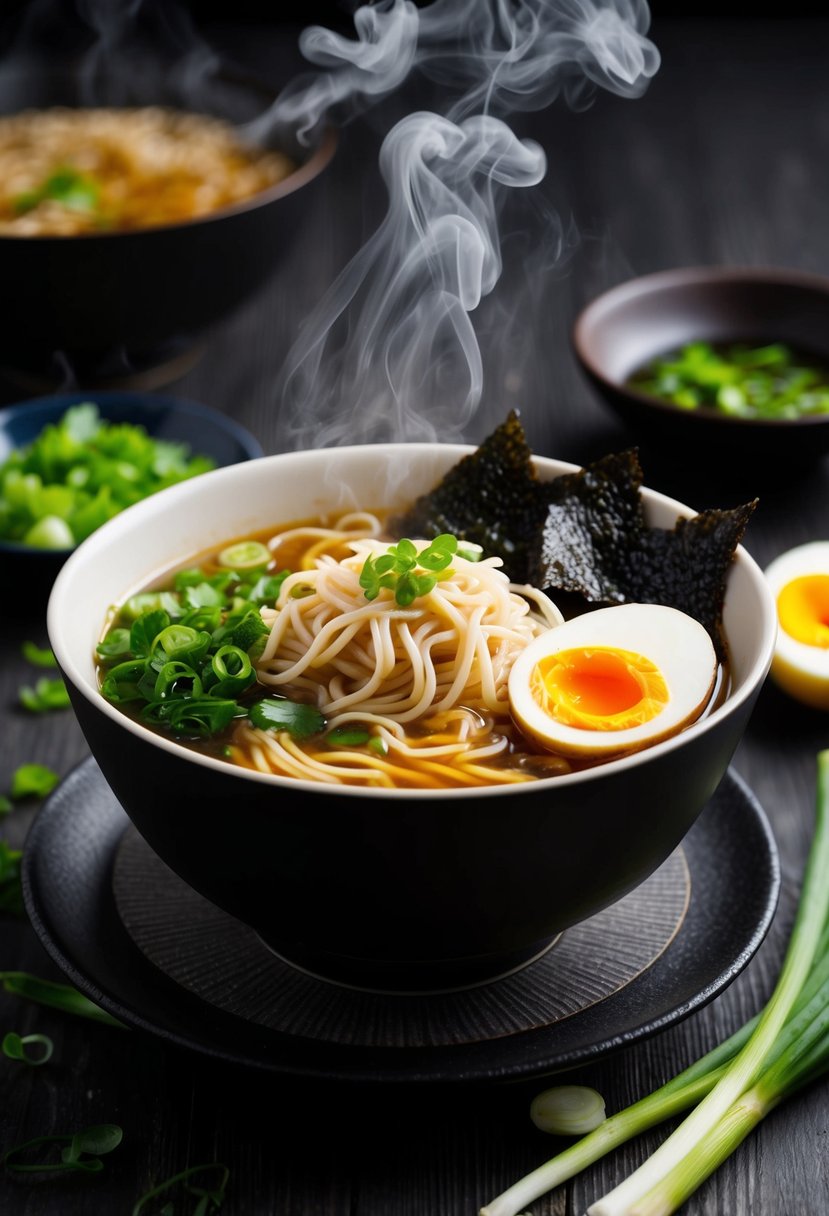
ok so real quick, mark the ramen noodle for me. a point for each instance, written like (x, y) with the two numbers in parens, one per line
(66, 172)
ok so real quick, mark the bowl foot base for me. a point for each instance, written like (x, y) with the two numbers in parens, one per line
(409, 977)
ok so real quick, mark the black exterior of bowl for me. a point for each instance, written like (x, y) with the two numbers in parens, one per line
(627, 326)
(138, 297)
(355, 909)
(208, 432)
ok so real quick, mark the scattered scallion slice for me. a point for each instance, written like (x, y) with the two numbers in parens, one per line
(18, 1047)
(11, 894)
(348, 736)
(210, 1196)
(47, 694)
(245, 555)
(82, 1151)
(33, 781)
(38, 656)
(568, 1110)
(56, 996)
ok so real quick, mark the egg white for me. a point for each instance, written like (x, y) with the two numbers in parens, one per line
(676, 643)
(800, 670)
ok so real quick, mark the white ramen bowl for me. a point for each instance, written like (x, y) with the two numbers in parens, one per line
(382, 885)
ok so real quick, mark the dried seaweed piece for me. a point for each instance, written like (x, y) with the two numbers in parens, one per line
(583, 533)
(687, 567)
(585, 539)
(491, 497)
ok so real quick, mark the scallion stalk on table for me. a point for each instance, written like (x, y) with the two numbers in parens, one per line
(733, 1087)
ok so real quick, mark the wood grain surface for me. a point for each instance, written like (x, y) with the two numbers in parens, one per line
(725, 160)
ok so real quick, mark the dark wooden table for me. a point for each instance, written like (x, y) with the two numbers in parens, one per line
(726, 159)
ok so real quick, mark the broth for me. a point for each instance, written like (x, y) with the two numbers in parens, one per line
(463, 735)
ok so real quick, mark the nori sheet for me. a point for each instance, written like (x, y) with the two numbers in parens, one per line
(491, 497)
(583, 533)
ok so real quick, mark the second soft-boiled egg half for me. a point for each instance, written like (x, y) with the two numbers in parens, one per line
(799, 582)
(613, 681)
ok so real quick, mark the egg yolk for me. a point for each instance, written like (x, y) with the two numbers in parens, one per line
(803, 609)
(599, 688)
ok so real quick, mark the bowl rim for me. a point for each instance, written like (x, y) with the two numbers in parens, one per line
(146, 512)
(624, 293)
(52, 406)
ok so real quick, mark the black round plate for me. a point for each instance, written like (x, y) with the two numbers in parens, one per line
(67, 884)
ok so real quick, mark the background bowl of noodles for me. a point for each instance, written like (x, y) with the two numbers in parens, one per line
(416, 886)
(104, 270)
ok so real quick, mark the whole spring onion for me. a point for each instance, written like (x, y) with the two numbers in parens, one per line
(730, 1089)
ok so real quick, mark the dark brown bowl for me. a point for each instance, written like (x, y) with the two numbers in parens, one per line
(131, 300)
(627, 326)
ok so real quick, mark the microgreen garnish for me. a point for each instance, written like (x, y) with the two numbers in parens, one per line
(39, 656)
(48, 693)
(278, 713)
(11, 894)
(410, 574)
(82, 1152)
(18, 1047)
(33, 781)
(210, 1197)
(56, 996)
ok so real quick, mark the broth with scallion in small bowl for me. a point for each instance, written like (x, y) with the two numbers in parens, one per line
(739, 380)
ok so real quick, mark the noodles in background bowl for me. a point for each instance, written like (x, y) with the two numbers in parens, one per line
(66, 171)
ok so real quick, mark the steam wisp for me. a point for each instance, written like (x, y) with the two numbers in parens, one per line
(390, 351)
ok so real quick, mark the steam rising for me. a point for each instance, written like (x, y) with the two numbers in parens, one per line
(390, 351)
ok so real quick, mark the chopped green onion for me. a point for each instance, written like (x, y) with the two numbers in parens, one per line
(38, 656)
(738, 381)
(47, 694)
(56, 996)
(33, 781)
(245, 555)
(568, 1110)
(115, 645)
(79, 472)
(348, 736)
(211, 1197)
(11, 893)
(176, 679)
(82, 1152)
(14, 1047)
(278, 713)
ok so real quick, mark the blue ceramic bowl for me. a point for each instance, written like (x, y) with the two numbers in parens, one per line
(205, 430)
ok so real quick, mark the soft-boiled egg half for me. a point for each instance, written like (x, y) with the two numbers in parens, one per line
(799, 582)
(613, 681)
